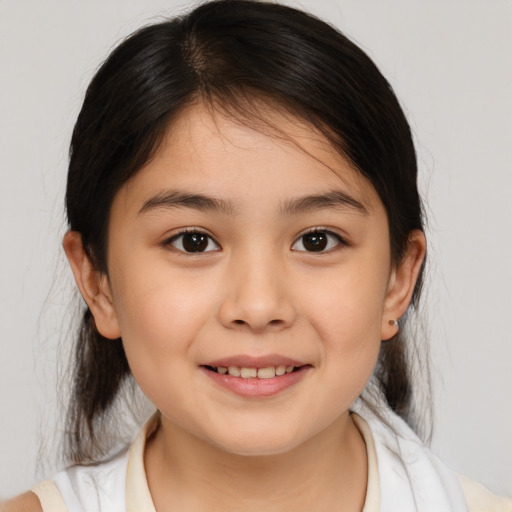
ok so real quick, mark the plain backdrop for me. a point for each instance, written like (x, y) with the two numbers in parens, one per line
(450, 63)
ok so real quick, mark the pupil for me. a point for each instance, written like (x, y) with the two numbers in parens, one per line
(315, 242)
(195, 242)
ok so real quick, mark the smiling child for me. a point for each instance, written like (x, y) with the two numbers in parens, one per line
(246, 232)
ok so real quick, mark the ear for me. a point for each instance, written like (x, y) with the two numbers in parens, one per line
(401, 284)
(93, 285)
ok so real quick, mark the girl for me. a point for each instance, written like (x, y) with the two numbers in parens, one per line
(247, 234)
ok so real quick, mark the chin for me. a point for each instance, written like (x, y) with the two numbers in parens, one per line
(259, 450)
(257, 444)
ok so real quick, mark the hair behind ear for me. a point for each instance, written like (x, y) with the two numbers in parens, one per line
(392, 375)
(100, 369)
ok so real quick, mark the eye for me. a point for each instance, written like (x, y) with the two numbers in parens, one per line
(193, 241)
(317, 241)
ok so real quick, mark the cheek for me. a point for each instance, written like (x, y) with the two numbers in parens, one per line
(159, 314)
(158, 328)
(347, 304)
(345, 309)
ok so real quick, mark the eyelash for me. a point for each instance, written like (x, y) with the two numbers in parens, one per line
(191, 231)
(340, 241)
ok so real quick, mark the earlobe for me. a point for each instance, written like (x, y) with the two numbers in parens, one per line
(93, 286)
(402, 283)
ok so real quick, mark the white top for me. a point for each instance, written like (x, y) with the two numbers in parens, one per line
(414, 481)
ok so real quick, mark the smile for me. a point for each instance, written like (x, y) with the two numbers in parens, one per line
(268, 372)
(256, 377)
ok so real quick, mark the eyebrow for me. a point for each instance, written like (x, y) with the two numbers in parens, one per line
(328, 200)
(294, 206)
(177, 199)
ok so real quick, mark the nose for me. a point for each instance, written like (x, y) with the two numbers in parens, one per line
(258, 296)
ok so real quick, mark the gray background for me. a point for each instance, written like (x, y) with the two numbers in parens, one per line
(451, 65)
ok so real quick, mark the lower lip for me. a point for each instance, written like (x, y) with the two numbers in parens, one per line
(257, 388)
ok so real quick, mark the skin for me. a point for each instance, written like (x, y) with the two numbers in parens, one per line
(27, 502)
(255, 290)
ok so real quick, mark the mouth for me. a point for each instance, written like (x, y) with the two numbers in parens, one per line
(256, 377)
(268, 372)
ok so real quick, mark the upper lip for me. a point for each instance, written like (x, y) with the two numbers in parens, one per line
(247, 361)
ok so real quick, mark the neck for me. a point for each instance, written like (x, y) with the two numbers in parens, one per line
(327, 472)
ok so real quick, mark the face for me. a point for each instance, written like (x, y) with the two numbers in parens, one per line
(251, 282)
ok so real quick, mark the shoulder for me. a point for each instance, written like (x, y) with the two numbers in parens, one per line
(98, 487)
(480, 499)
(27, 502)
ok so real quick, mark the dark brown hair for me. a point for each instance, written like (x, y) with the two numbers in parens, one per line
(229, 54)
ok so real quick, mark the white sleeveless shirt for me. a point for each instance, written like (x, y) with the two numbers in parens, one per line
(403, 476)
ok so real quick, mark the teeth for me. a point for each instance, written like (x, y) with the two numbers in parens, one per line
(234, 371)
(248, 373)
(251, 373)
(266, 373)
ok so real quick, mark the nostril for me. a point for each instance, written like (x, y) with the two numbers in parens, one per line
(271, 322)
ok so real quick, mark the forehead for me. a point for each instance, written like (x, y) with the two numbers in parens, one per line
(206, 150)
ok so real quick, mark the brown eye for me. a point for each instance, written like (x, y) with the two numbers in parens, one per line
(193, 241)
(317, 241)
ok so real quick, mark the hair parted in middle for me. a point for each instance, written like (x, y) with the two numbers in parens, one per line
(242, 58)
